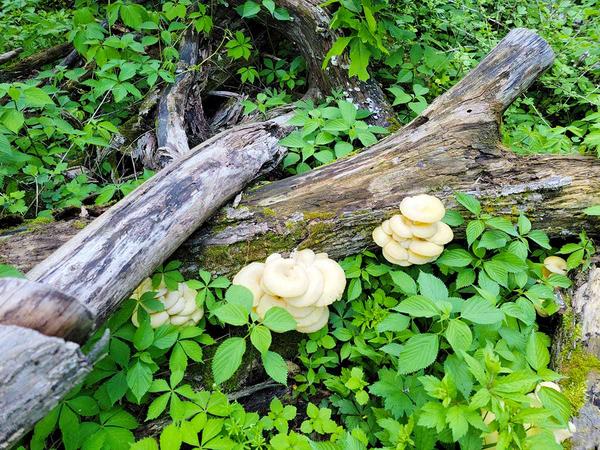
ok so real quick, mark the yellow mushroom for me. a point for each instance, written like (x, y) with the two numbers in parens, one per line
(400, 228)
(306, 256)
(397, 251)
(334, 281)
(443, 235)
(284, 277)
(385, 226)
(414, 258)
(314, 321)
(380, 237)
(425, 248)
(422, 208)
(555, 264)
(313, 293)
(424, 230)
(250, 277)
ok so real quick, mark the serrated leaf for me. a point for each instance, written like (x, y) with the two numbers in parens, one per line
(481, 311)
(275, 366)
(474, 230)
(502, 224)
(432, 287)
(232, 314)
(228, 358)
(540, 238)
(418, 306)
(279, 320)
(456, 257)
(459, 336)
(469, 202)
(393, 322)
(404, 282)
(419, 352)
(537, 353)
(260, 336)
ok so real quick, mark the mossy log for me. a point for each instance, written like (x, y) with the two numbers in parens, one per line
(576, 355)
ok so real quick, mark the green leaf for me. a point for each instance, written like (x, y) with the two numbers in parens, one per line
(469, 202)
(13, 120)
(275, 366)
(524, 225)
(228, 358)
(84, 405)
(540, 238)
(68, 423)
(279, 320)
(293, 140)
(453, 218)
(432, 287)
(359, 59)
(474, 230)
(400, 97)
(232, 314)
(404, 282)
(456, 257)
(458, 335)
(10, 272)
(419, 352)
(36, 97)
(537, 353)
(556, 403)
(493, 239)
(170, 438)
(248, 9)
(261, 338)
(456, 419)
(478, 310)
(139, 379)
(465, 278)
(144, 444)
(418, 306)
(592, 210)
(502, 224)
(348, 111)
(157, 406)
(354, 289)
(393, 322)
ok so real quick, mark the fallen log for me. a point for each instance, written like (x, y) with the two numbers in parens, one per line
(453, 146)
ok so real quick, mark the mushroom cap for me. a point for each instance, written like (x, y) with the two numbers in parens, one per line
(267, 302)
(250, 277)
(306, 256)
(556, 264)
(422, 208)
(284, 278)
(179, 320)
(425, 248)
(197, 315)
(319, 319)
(399, 227)
(321, 255)
(414, 258)
(316, 284)
(273, 257)
(443, 235)
(396, 251)
(177, 307)
(300, 313)
(380, 237)
(334, 281)
(189, 308)
(187, 292)
(170, 299)
(158, 318)
(385, 226)
(424, 230)
(398, 262)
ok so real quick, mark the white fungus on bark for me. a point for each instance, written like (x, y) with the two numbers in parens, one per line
(179, 307)
(304, 284)
(416, 235)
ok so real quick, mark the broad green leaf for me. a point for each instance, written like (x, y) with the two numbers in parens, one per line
(432, 287)
(418, 306)
(458, 335)
(238, 295)
(248, 9)
(556, 403)
(502, 224)
(393, 322)
(469, 202)
(359, 59)
(228, 358)
(592, 210)
(13, 120)
(540, 238)
(481, 311)
(157, 406)
(474, 230)
(139, 379)
(261, 338)
(275, 366)
(36, 97)
(537, 353)
(456, 257)
(404, 282)
(232, 314)
(419, 352)
(170, 438)
(279, 320)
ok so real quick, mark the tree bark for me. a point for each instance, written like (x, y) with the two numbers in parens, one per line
(11, 54)
(576, 355)
(34, 62)
(36, 372)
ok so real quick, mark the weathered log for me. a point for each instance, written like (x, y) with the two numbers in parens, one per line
(453, 146)
(42, 308)
(25, 67)
(109, 258)
(11, 54)
(36, 371)
(576, 355)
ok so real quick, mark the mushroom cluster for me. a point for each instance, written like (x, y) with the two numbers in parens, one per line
(560, 434)
(180, 306)
(417, 235)
(303, 284)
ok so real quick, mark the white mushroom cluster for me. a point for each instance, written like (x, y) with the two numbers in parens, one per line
(180, 306)
(417, 235)
(303, 284)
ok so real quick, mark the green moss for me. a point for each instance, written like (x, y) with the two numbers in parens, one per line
(79, 224)
(317, 215)
(268, 212)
